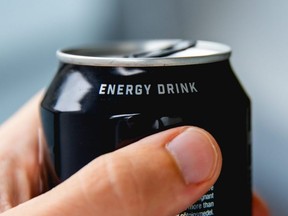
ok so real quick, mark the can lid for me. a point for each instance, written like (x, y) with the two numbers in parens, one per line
(146, 53)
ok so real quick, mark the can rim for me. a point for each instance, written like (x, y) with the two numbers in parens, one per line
(100, 55)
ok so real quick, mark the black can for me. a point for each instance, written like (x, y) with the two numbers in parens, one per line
(105, 97)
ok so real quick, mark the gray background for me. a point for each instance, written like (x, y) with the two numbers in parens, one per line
(31, 31)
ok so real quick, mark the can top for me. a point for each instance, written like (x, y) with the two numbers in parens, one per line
(146, 53)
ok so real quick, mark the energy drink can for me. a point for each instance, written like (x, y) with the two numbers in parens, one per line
(105, 97)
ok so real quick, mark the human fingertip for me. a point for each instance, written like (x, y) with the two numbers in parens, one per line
(260, 208)
(196, 153)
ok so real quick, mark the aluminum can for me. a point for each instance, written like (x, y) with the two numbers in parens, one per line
(107, 96)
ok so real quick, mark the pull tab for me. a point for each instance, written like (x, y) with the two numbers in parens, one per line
(173, 48)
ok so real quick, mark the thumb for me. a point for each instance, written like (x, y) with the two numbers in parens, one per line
(162, 174)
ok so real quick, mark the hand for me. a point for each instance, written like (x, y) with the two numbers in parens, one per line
(129, 181)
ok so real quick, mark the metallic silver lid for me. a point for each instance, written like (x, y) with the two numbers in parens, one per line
(118, 54)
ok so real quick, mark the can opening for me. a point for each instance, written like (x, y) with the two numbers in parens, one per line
(166, 51)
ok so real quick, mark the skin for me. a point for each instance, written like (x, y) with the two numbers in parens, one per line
(111, 183)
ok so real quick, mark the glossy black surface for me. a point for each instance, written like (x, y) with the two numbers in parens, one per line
(82, 120)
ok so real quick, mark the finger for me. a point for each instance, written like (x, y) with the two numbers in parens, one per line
(26, 119)
(18, 155)
(162, 174)
(260, 208)
(6, 188)
(20, 152)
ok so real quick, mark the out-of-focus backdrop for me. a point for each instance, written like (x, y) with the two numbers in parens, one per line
(31, 31)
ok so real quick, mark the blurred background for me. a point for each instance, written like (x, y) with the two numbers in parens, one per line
(31, 31)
